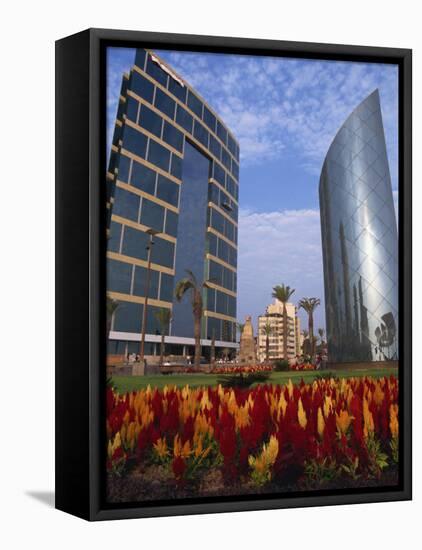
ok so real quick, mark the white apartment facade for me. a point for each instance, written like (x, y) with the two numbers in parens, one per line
(274, 319)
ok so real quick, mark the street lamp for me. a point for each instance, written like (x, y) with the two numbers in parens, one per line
(151, 232)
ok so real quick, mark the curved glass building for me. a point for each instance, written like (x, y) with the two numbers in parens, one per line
(174, 168)
(359, 241)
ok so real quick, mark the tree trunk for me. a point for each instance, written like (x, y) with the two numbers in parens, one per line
(311, 334)
(284, 331)
(212, 355)
(267, 349)
(197, 335)
(162, 348)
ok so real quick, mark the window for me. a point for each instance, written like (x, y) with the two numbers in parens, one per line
(166, 287)
(172, 136)
(153, 324)
(152, 214)
(142, 86)
(219, 174)
(143, 178)
(184, 119)
(212, 244)
(134, 141)
(194, 104)
(176, 89)
(165, 103)
(163, 252)
(221, 303)
(221, 132)
(140, 58)
(225, 158)
(215, 147)
(231, 186)
(123, 168)
(235, 170)
(139, 282)
(150, 121)
(126, 204)
(119, 276)
(168, 190)
(216, 273)
(128, 317)
(213, 193)
(209, 119)
(210, 305)
(134, 243)
(200, 133)
(231, 144)
(116, 347)
(229, 230)
(156, 72)
(159, 155)
(171, 223)
(176, 166)
(223, 250)
(132, 108)
(113, 242)
(213, 328)
(232, 256)
(217, 221)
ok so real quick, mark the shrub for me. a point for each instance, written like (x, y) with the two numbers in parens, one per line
(243, 380)
(281, 366)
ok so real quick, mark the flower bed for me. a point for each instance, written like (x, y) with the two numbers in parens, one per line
(303, 366)
(305, 435)
(243, 369)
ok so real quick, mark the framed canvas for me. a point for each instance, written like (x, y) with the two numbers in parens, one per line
(233, 274)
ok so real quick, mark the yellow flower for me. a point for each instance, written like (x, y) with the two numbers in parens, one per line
(378, 395)
(320, 422)
(328, 405)
(184, 451)
(161, 447)
(242, 417)
(290, 388)
(301, 414)
(262, 464)
(112, 446)
(368, 419)
(394, 421)
(343, 421)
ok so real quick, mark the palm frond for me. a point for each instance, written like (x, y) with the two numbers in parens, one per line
(282, 293)
(182, 287)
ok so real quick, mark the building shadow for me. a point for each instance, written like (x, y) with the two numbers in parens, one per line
(45, 497)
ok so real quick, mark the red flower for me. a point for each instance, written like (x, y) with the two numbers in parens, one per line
(179, 467)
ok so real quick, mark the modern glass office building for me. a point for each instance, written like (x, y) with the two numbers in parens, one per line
(359, 241)
(174, 168)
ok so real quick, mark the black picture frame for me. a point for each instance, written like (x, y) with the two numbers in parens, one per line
(80, 270)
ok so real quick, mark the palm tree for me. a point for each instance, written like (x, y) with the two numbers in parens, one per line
(309, 305)
(267, 330)
(163, 316)
(190, 283)
(283, 293)
(111, 307)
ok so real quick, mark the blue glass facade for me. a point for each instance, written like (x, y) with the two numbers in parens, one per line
(173, 167)
(359, 241)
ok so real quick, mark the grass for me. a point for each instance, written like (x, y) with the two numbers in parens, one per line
(131, 383)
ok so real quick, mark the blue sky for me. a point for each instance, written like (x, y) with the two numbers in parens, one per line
(285, 113)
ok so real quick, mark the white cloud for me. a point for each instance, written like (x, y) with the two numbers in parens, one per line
(274, 248)
(275, 104)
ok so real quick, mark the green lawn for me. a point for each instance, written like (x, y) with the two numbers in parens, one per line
(129, 383)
